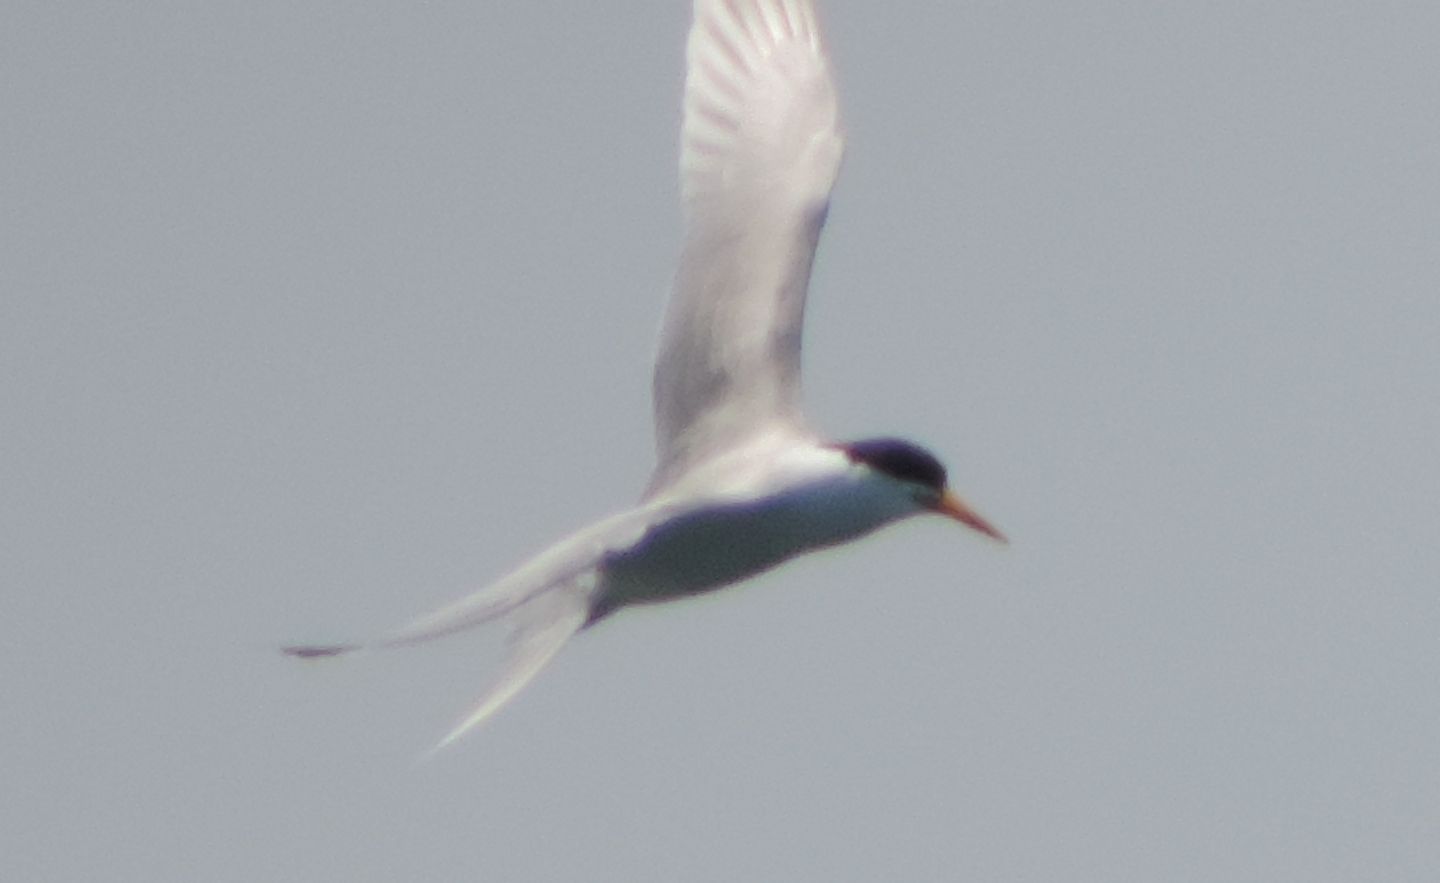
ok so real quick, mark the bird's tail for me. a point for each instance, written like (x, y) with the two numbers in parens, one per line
(545, 600)
(541, 620)
(540, 627)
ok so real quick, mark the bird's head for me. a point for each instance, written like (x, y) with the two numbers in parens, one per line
(921, 474)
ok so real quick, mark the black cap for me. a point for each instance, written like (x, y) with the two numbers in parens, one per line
(899, 459)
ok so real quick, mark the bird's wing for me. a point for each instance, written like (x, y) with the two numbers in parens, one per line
(760, 147)
(546, 601)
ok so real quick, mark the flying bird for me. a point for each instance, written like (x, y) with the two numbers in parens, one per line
(741, 482)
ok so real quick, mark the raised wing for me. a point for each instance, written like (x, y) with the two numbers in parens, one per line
(760, 147)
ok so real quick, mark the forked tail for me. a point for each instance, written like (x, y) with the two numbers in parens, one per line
(545, 600)
(540, 624)
(540, 628)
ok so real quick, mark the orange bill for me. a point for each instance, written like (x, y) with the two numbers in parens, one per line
(951, 506)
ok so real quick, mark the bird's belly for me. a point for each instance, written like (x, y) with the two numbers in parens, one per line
(716, 546)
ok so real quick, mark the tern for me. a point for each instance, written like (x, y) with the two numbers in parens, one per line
(741, 483)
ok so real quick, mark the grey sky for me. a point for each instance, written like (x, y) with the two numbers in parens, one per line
(313, 316)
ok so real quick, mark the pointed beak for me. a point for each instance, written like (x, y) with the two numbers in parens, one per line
(951, 506)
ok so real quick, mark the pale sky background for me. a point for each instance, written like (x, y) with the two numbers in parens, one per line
(314, 316)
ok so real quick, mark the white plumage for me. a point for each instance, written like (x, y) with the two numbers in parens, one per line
(741, 483)
(760, 147)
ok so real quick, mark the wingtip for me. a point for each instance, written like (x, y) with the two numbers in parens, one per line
(317, 651)
(451, 738)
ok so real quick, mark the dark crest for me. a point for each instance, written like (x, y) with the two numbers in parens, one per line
(899, 459)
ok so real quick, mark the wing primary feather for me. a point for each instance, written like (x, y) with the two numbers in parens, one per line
(772, 15)
(318, 651)
(760, 148)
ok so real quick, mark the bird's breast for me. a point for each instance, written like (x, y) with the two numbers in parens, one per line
(714, 545)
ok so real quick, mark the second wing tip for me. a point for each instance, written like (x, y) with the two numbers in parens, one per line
(316, 651)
